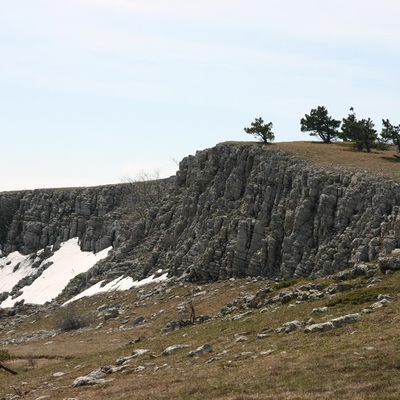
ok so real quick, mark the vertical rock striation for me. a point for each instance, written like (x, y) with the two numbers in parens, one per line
(32, 220)
(231, 211)
(246, 210)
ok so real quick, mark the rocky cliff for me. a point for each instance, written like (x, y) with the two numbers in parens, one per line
(231, 211)
(32, 220)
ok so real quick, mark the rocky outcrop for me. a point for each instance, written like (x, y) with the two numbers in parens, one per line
(242, 210)
(231, 211)
(32, 220)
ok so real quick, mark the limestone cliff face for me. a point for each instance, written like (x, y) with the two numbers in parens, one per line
(32, 220)
(252, 210)
(232, 210)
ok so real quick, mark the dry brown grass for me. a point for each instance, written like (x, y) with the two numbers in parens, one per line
(341, 156)
(359, 361)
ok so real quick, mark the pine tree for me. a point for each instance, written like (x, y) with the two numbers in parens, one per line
(319, 123)
(261, 130)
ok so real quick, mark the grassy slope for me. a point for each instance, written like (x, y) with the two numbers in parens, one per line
(358, 361)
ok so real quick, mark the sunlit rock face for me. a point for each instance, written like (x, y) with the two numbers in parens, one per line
(231, 211)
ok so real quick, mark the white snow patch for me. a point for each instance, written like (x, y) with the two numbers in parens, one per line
(121, 284)
(68, 262)
(8, 277)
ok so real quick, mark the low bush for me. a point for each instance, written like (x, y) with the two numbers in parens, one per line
(71, 320)
(4, 355)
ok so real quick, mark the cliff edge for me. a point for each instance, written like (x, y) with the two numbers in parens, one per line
(234, 210)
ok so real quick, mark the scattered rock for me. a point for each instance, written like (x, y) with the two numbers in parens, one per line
(139, 352)
(123, 360)
(334, 323)
(241, 339)
(389, 263)
(176, 325)
(379, 304)
(112, 312)
(93, 378)
(138, 321)
(206, 348)
(325, 326)
(240, 316)
(291, 326)
(319, 310)
(173, 349)
(345, 319)
(262, 335)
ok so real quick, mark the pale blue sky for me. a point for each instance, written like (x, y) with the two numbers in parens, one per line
(92, 91)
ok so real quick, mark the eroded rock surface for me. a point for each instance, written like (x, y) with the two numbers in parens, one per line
(234, 210)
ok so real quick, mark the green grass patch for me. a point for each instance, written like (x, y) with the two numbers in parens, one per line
(287, 283)
(355, 297)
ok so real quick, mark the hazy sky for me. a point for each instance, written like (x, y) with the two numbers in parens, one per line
(92, 91)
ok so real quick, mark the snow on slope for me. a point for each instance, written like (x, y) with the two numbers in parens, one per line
(120, 284)
(68, 262)
(13, 268)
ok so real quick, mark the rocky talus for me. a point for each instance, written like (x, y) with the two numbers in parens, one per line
(231, 211)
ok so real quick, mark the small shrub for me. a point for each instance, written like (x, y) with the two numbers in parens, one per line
(4, 355)
(71, 321)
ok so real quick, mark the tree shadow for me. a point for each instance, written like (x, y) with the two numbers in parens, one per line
(393, 159)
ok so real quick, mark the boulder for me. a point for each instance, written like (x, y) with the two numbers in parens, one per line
(206, 348)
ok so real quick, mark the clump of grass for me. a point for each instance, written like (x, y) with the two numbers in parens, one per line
(355, 297)
(287, 283)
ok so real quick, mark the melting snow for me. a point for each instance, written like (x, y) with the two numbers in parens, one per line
(122, 283)
(13, 268)
(68, 262)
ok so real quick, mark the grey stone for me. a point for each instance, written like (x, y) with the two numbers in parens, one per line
(319, 310)
(93, 378)
(291, 326)
(139, 352)
(325, 326)
(206, 348)
(173, 349)
(334, 323)
(138, 321)
(345, 319)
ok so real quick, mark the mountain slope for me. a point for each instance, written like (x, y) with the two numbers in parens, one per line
(237, 218)
(137, 344)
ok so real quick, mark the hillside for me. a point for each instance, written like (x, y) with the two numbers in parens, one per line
(282, 259)
(256, 331)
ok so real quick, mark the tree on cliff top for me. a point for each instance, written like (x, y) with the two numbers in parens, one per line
(319, 123)
(391, 133)
(261, 130)
(361, 132)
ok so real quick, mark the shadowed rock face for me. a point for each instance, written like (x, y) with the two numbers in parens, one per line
(232, 210)
(35, 219)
